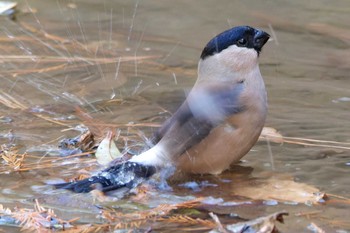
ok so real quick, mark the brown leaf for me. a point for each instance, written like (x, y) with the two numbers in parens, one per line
(260, 225)
(281, 188)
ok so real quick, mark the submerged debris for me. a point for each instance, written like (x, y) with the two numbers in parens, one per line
(12, 158)
(265, 224)
(38, 219)
(82, 143)
(5, 119)
(281, 188)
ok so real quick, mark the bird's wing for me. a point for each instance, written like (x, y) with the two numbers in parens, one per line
(126, 174)
(206, 106)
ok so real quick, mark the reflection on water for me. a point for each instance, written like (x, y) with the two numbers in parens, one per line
(134, 61)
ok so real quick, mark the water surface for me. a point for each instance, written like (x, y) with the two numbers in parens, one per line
(83, 54)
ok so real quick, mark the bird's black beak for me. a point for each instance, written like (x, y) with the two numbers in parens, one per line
(260, 38)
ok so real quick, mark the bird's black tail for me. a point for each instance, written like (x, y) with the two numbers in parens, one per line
(127, 174)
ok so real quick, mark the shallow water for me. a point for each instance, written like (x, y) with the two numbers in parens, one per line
(305, 67)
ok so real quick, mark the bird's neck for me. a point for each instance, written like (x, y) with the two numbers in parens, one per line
(214, 69)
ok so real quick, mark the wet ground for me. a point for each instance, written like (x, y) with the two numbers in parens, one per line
(131, 62)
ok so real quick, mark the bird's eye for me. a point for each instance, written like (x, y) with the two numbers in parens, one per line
(242, 42)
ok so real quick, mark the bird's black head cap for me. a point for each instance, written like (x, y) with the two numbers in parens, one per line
(241, 36)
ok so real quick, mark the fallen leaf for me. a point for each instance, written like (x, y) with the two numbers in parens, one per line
(107, 151)
(7, 8)
(280, 188)
(260, 225)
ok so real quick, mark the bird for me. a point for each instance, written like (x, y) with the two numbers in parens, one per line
(217, 124)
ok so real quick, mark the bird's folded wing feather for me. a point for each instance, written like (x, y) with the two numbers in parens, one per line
(206, 106)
